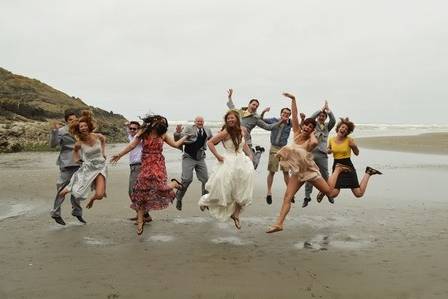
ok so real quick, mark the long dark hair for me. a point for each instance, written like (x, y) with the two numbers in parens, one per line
(235, 132)
(154, 122)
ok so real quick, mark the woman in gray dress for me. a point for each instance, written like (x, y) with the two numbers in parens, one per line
(90, 148)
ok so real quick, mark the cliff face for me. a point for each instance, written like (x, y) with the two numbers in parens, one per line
(28, 106)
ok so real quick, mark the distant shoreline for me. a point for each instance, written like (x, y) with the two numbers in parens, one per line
(428, 143)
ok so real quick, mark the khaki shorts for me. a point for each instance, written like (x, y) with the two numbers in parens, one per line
(273, 163)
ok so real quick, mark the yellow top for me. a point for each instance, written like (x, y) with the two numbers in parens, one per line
(340, 150)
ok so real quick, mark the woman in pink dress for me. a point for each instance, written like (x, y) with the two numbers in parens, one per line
(152, 191)
(297, 158)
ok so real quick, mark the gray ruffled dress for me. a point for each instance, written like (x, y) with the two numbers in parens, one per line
(93, 165)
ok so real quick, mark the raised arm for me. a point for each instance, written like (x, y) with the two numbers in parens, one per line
(230, 103)
(178, 133)
(170, 140)
(332, 121)
(267, 109)
(55, 138)
(294, 113)
(215, 140)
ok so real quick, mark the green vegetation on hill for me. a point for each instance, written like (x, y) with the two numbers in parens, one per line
(27, 106)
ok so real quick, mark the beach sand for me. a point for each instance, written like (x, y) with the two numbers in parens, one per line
(431, 143)
(390, 244)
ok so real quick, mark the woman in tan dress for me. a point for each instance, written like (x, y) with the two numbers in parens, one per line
(297, 158)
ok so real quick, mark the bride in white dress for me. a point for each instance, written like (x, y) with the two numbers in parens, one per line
(231, 185)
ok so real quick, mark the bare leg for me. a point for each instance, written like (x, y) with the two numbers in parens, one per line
(359, 192)
(270, 180)
(100, 190)
(236, 216)
(328, 188)
(323, 187)
(292, 188)
(140, 221)
(175, 184)
(64, 192)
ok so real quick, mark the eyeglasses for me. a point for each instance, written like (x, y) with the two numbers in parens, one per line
(132, 129)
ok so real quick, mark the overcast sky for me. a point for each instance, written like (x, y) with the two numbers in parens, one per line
(381, 61)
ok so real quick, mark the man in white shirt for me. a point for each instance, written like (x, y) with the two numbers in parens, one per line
(135, 162)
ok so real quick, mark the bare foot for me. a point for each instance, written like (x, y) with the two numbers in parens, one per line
(274, 228)
(236, 220)
(177, 185)
(90, 203)
(140, 226)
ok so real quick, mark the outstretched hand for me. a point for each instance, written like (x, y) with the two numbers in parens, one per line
(230, 92)
(115, 159)
(288, 95)
(179, 128)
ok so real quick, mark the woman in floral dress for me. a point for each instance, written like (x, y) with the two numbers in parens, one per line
(152, 191)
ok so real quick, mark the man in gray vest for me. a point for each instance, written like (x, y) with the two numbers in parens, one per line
(250, 119)
(320, 155)
(194, 155)
(61, 137)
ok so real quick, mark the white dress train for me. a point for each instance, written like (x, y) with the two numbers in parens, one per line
(231, 182)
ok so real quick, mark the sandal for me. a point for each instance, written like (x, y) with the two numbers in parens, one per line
(179, 187)
(372, 171)
(140, 226)
(236, 220)
(274, 228)
(320, 196)
(147, 220)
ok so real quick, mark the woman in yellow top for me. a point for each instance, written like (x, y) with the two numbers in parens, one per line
(341, 146)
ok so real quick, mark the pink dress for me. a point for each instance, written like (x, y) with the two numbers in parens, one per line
(295, 158)
(151, 191)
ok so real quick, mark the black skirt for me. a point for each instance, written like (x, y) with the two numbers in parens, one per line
(346, 180)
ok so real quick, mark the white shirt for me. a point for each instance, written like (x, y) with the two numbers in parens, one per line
(135, 156)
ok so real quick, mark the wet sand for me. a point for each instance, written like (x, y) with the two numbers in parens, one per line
(390, 244)
(431, 143)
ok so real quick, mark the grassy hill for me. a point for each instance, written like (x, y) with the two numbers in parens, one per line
(27, 106)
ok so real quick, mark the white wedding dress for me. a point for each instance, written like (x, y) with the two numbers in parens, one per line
(231, 182)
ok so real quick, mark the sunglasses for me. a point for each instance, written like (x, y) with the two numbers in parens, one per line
(132, 129)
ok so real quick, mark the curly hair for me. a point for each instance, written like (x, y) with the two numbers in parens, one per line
(154, 122)
(86, 117)
(236, 134)
(346, 121)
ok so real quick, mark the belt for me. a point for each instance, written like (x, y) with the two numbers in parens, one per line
(135, 164)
